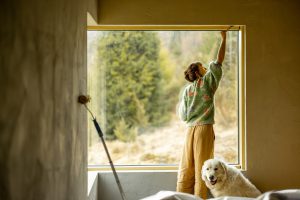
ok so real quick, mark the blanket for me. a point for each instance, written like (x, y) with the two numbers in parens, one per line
(292, 194)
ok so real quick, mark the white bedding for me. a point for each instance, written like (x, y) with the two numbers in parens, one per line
(293, 194)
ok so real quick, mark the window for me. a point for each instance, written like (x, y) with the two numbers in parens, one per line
(135, 76)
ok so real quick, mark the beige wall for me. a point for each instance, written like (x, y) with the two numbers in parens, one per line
(272, 74)
(43, 150)
(92, 16)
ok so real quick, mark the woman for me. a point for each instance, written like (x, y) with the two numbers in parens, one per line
(197, 110)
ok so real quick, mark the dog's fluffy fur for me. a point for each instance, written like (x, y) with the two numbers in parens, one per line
(224, 180)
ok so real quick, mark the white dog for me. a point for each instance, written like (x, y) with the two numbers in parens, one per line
(224, 180)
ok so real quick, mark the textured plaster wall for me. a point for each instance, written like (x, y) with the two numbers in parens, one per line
(42, 128)
(272, 73)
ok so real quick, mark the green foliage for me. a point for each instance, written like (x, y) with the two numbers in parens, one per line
(141, 117)
(125, 133)
(170, 85)
(130, 61)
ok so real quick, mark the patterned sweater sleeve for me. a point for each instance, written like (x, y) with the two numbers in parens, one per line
(214, 74)
(182, 108)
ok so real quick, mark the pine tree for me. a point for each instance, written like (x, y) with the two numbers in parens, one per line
(130, 61)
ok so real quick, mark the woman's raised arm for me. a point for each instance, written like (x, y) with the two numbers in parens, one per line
(221, 53)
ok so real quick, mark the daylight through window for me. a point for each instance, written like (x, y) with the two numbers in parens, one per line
(135, 78)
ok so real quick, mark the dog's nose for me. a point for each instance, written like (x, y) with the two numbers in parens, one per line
(211, 178)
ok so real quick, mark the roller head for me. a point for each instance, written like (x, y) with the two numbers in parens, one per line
(84, 99)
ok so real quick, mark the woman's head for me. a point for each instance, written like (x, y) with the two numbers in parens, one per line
(194, 71)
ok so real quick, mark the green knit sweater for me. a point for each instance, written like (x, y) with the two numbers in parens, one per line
(197, 104)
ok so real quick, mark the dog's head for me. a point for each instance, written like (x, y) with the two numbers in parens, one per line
(214, 173)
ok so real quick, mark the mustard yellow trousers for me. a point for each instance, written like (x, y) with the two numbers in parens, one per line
(198, 147)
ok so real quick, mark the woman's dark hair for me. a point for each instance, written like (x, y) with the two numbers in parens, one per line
(190, 74)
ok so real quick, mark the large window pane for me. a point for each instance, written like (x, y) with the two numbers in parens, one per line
(135, 78)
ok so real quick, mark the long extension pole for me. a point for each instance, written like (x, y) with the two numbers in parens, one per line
(84, 100)
(109, 158)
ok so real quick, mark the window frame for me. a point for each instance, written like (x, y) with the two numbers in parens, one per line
(241, 88)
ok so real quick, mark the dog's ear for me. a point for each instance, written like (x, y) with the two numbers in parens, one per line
(223, 165)
(203, 172)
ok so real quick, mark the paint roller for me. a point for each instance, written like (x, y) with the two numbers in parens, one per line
(82, 99)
